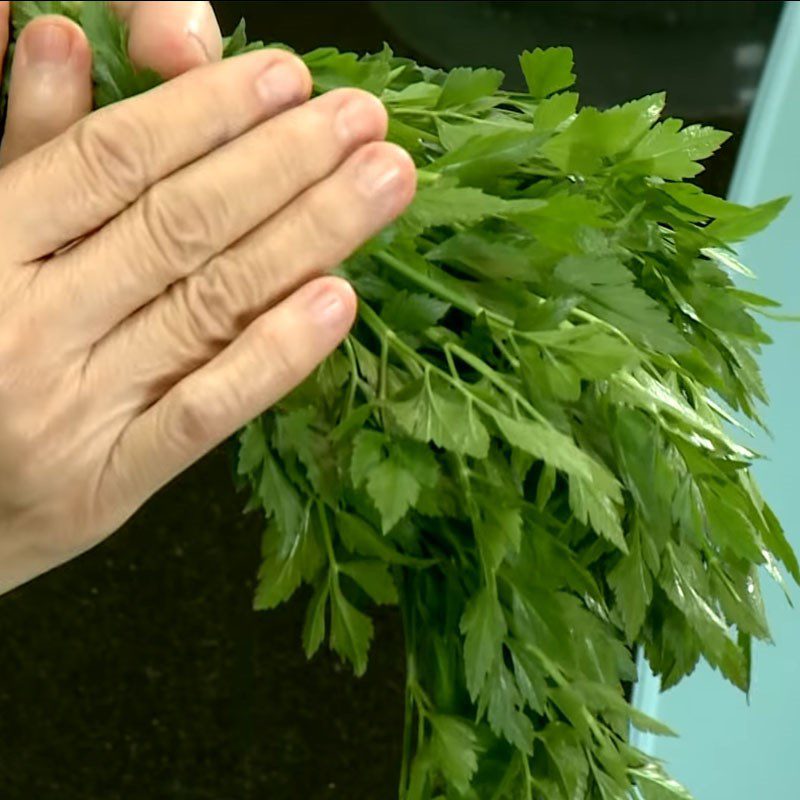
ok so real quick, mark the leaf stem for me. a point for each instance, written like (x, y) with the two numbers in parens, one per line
(456, 299)
(354, 379)
(383, 331)
(409, 634)
(326, 535)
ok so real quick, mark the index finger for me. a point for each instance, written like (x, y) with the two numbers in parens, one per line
(74, 184)
(171, 37)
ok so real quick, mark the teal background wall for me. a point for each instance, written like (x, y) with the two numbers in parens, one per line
(729, 750)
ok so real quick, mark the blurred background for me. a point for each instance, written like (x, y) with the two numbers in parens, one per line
(140, 671)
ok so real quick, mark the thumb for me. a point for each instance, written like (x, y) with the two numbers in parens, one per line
(171, 37)
(50, 85)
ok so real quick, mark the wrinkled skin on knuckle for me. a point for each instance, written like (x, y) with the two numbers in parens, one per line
(214, 302)
(112, 152)
(181, 227)
(195, 420)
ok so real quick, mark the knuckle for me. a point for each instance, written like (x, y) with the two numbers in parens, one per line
(21, 435)
(181, 226)
(112, 151)
(213, 302)
(196, 417)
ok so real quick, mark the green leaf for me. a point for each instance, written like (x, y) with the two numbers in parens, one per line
(655, 785)
(115, 77)
(451, 205)
(546, 485)
(415, 95)
(394, 472)
(487, 254)
(591, 349)
(546, 443)
(333, 70)
(748, 223)
(547, 71)
(368, 452)
(498, 531)
(464, 85)
(281, 500)
(593, 490)
(284, 568)
(453, 135)
(359, 537)
(568, 758)
(671, 152)
(314, 627)
(504, 707)
(483, 626)
(351, 631)
(454, 747)
(682, 578)
(598, 509)
(594, 138)
(394, 489)
(252, 448)
(374, 578)
(413, 313)
(633, 587)
(236, 44)
(428, 415)
(555, 111)
(610, 293)
(483, 159)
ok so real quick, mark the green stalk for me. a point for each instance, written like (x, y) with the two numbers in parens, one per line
(409, 636)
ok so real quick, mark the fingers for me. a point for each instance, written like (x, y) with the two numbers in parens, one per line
(195, 214)
(189, 324)
(76, 183)
(171, 37)
(273, 355)
(50, 85)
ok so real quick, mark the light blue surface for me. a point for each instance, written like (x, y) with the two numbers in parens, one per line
(727, 749)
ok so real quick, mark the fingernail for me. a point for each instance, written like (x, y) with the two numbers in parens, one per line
(47, 43)
(280, 85)
(356, 120)
(327, 307)
(378, 176)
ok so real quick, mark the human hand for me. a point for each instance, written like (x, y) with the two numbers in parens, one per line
(159, 277)
(51, 85)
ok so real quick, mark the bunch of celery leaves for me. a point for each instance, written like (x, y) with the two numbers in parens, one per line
(523, 444)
